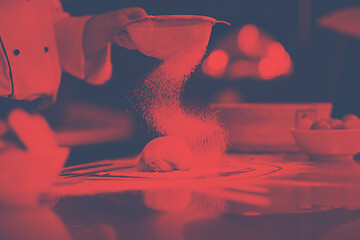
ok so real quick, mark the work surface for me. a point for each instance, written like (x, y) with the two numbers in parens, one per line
(278, 196)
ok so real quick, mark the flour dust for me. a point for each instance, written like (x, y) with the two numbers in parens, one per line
(160, 104)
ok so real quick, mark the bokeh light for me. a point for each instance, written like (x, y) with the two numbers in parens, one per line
(216, 63)
(248, 41)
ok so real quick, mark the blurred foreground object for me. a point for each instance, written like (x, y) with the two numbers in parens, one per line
(29, 166)
(345, 21)
(84, 124)
(32, 223)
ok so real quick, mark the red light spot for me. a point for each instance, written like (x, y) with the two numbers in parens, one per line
(275, 49)
(276, 62)
(216, 63)
(218, 60)
(248, 40)
(267, 68)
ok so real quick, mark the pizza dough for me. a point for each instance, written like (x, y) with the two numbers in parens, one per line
(165, 154)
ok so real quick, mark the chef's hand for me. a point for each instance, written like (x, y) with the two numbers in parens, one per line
(109, 27)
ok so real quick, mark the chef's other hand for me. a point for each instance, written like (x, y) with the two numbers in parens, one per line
(109, 27)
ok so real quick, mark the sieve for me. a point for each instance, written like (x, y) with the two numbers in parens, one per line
(166, 36)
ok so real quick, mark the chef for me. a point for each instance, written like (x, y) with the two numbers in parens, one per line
(38, 40)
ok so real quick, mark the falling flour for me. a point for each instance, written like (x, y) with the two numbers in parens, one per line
(162, 108)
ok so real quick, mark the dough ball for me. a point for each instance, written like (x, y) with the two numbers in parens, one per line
(165, 154)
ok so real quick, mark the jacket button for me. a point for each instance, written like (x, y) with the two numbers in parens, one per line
(46, 49)
(16, 52)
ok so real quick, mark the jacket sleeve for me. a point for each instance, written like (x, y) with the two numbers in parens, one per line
(96, 69)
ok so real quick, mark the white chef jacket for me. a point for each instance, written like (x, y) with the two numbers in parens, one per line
(38, 39)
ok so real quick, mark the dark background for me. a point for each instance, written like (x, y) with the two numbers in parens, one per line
(326, 63)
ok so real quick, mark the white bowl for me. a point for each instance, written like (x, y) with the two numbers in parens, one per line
(340, 144)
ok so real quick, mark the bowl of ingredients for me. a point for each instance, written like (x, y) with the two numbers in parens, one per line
(265, 127)
(166, 36)
(330, 139)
